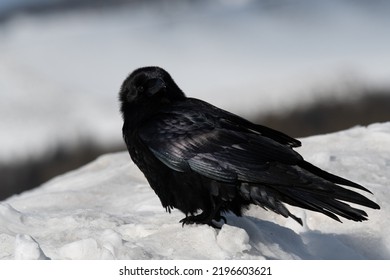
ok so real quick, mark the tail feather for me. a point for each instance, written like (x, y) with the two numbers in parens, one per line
(321, 195)
(336, 207)
(334, 191)
(328, 206)
(330, 177)
(313, 189)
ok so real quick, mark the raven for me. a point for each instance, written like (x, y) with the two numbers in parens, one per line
(205, 161)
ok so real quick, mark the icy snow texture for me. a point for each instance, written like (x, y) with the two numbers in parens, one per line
(106, 210)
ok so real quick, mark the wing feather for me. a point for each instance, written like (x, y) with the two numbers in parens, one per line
(197, 140)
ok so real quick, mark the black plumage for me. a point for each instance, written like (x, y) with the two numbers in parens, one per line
(206, 161)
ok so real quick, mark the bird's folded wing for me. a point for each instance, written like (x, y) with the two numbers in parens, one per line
(187, 140)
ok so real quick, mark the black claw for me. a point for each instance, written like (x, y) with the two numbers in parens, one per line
(222, 218)
(187, 221)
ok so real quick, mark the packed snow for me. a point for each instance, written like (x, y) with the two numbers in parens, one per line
(61, 72)
(106, 210)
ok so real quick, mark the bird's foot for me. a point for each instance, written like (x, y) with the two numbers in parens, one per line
(218, 222)
(219, 218)
(199, 219)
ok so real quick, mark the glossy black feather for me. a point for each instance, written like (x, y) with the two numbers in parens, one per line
(205, 161)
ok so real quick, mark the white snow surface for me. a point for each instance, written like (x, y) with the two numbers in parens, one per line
(106, 210)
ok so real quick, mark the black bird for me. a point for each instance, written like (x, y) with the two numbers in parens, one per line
(206, 161)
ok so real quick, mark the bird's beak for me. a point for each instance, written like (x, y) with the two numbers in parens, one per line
(155, 85)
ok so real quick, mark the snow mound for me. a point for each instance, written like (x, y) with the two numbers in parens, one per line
(106, 210)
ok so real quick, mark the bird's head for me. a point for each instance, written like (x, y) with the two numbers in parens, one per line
(149, 86)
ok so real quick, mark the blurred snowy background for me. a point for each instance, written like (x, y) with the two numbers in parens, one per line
(302, 66)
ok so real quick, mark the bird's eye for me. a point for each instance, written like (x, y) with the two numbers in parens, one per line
(140, 89)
